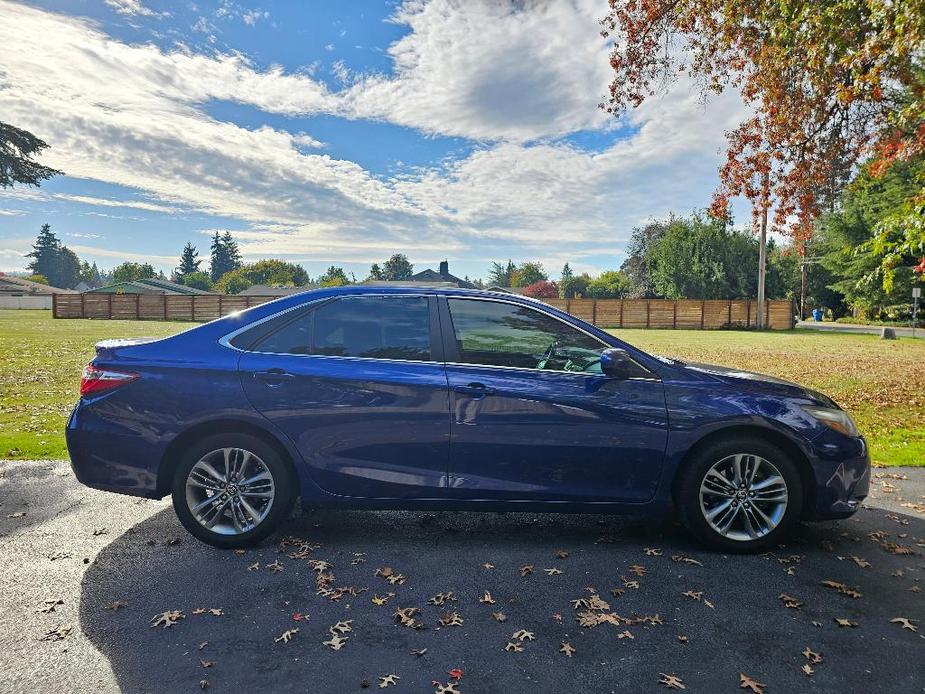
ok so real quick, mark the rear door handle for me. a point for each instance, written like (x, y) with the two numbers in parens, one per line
(477, 390)
(273, 377)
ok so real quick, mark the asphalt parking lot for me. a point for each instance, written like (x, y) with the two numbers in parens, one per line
(85, 572)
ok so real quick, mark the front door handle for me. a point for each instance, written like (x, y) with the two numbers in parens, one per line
(476, 390)
(273, 377)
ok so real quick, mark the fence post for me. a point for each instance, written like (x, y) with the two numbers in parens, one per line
(729, 309)
(54, 305)
(109, 297)
(83, 305)
(221, 310)
(648, 312)
(138, 307)
(674, 315)
(164, 300)
(748, 313)
(594, 312)
(621, 311)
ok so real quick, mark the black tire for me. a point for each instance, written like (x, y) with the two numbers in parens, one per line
(687, 493)
(284, 484)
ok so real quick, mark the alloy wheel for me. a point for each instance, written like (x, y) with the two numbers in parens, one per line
(743, 497)
(230, 491)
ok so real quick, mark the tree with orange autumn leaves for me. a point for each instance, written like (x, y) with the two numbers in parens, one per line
(829, 83)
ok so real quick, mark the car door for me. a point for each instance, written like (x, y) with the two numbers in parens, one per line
(358, 384)
(534, 418)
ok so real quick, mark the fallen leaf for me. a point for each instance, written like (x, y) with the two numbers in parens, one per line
(812, 656)
(57, 634)
(841, 588)
(441, 598)
(679, 558)
(448, 688)
(206, 663)
(552, 572)
(203, 684)
(746, 682)
(116, 605)
(652, 552)
(626, 635)
(906, 623)
(342, 627)
(790, 601)
(50, 605)
(523, 634)
(486, 599)
(682, 639)
(567, 648)
(863, 563)
(418, 652)
(254, 567)
(845, 622)
(499, 616)
(167, 619)
(562, 554)
(275, 567)
(512, 647)
(286, 636)
(456, 673)
(638, 570)
(526, 570)
(807, 670)
(488, 565)
(388, 681)
(671, 681)
(451, 619)
(335, 643)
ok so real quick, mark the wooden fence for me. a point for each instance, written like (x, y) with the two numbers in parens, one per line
(694, 314)
(608, 313)
(197, 307)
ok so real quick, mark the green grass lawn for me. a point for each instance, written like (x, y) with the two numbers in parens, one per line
(881, 383)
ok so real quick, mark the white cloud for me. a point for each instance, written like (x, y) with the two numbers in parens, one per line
(106, 202)
(131, 7)
(490, 70)
(10, 213)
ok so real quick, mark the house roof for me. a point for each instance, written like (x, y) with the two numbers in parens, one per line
(429, 275)
(18, 286)
(152, 285)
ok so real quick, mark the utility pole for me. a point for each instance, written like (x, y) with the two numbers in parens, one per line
(762, 255)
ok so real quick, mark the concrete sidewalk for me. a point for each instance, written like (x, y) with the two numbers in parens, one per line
(858, 329)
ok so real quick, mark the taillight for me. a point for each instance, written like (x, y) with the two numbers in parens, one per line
(96, 380)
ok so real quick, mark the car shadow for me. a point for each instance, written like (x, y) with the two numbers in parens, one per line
(704, 616)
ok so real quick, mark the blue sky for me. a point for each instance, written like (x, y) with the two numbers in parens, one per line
(338, 133)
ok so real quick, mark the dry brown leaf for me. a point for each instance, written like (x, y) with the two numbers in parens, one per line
(526, 570)
(807, 669)
(812, 656)
(523, 635)
(57, 634)
(671, 681)
(388, 681)
(652, 551)
(790, 602)
(512, 647)
(49, 605)
(499, 616)
(905, 622)
(746, 682)
(286, 636)
(451, 619)
(486, 599)
(842, 622)
(567, 648)
(167, 619)
(552, 572)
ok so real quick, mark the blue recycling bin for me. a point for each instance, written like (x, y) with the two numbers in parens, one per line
(817, 315)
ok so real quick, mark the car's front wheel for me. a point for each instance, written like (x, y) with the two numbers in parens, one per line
(740, 495)
(232, 490)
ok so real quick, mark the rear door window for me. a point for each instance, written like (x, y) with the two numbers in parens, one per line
(372, 327)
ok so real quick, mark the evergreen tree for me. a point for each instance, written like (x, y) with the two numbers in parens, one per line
(502, 275)
(45, 254)
(189, 261)
(17, 147)
(375, 272)
(397, 268)
(225, 255)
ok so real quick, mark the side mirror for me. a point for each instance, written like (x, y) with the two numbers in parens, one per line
(616, 363)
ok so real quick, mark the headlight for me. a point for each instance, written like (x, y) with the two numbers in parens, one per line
(834, 419)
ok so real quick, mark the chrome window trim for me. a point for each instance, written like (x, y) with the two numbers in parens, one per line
(226, 339)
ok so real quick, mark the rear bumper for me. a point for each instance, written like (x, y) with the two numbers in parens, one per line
(103, 457)
(842, 476)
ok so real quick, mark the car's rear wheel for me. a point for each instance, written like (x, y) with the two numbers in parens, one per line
(232, 490)
(740, 495)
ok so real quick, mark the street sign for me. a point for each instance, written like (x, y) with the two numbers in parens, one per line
(916, 292)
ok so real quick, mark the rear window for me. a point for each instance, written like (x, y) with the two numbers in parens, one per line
(375, 327)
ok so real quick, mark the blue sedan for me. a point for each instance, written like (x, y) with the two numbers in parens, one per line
(411, 398)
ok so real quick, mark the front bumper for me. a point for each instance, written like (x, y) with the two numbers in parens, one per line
(841, 471)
